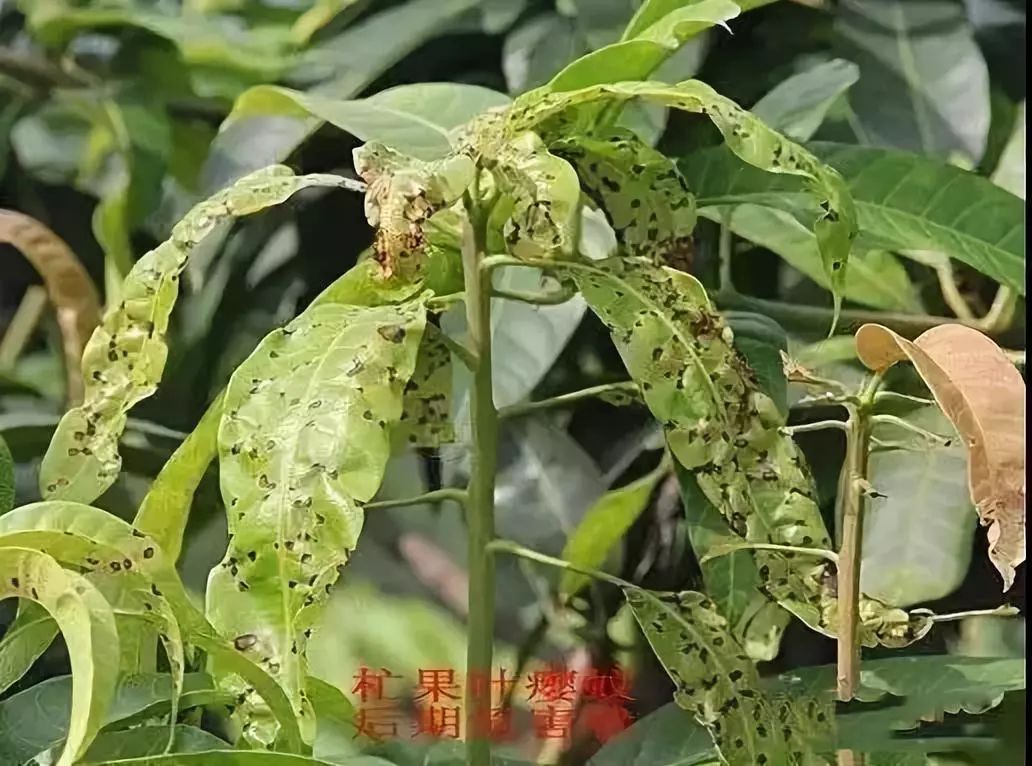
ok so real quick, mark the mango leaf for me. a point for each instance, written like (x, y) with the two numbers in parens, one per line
(1010, 170)
(909, 690)
(983, 395)
(68, 285)
(236, 758)
(603, 526)
(304, 440)
(797, 106)
(918, 531)
(336, 735)
(656, 32)
(668, 736)
(539, 48)
(628, 179)
(125, 356)
(116, 559)
(876, 278)
(426, 408)
(924, 85)
(762, 341)
(719, 685)
(142, 741)
(26, 638)
(6, 478)
(268, 123)
(88, 625)
(36, 719)
(165, 509)
(751, 140)
(906, 201)
(720, 426)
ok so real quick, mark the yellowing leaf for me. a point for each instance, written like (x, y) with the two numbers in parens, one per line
(983, 395)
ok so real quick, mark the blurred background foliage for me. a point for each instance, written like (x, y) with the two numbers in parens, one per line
(113, 121)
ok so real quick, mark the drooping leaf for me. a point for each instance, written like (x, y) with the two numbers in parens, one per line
(304, 440)
(719, 685)
(165, 509)
(720, 426)
(125, 356)
(88, 625)
(923, 82)
(876, 278)
(26, 638)
(117, 561)
(751, 140)
(918, 532)
(797, 106)
(655, 33)
(603, 526)
(36, 719)
(906, 201)
(69, 287)
(983, 395)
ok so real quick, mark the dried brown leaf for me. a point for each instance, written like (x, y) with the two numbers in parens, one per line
(983, 395)
(68, 285)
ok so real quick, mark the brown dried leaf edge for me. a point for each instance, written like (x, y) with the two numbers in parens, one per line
(983, 395)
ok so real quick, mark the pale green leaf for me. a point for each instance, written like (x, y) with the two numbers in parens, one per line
(304, 440)
(835, 226)
(148, 740)
(908, 202)
(1010, 170)
(719, 685)
(602, 527)
(125, 357)
(656, 32)
(88, 625)
(797, 106)
(917, 538)
(165, 509)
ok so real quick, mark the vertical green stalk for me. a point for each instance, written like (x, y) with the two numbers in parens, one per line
(851, 493)
(480, 508)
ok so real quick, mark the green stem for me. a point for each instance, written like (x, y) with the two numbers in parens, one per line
(851, 483)
(900, 423)
(820, 425)
(724, 550)
(515, 549)
(437, 496)
(480, 509)
(629, 388)
(724, 255)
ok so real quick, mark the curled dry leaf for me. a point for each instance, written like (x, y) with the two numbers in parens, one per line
(983, 395)
(68, 285)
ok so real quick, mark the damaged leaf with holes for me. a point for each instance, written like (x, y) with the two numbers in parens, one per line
(304, 441)
(403, 193)
(552, 115)
(725, 430)
(718, 684)
(125, 357)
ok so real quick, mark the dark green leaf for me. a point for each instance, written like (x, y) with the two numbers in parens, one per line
(923, 83)
(6, 478)
(667, 737)
(908, 202)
